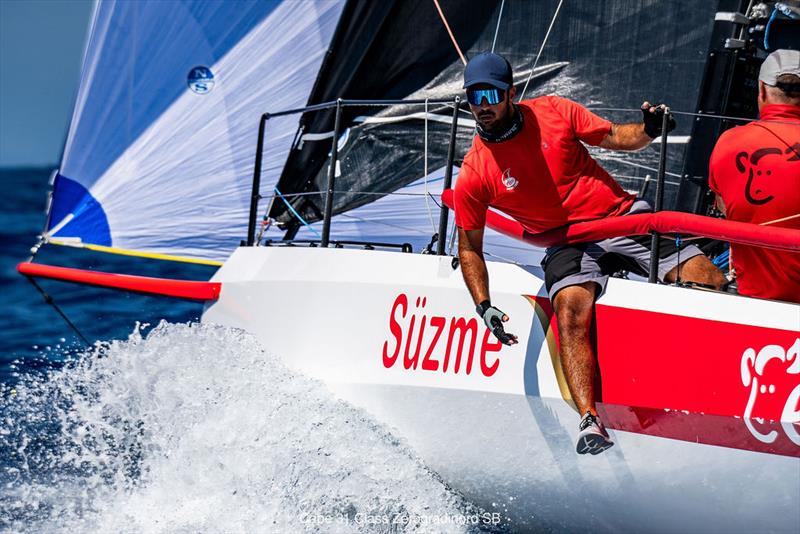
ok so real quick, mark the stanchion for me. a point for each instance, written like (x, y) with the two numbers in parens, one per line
(326, 221)
(662, 166)
(448, 178)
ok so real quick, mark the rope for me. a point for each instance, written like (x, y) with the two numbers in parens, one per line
(449, 31)
(48, 299)
(544, 42)
(790, 217)
(497, 28)
(291, 208)
(769, 25)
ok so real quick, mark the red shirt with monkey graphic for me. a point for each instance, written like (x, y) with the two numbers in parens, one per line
(756, 170)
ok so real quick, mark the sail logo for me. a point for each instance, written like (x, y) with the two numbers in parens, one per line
(772, 374)
(200, 80)
(509, 181)
(437, 343)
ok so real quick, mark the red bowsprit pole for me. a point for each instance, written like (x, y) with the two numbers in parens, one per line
(182, 289)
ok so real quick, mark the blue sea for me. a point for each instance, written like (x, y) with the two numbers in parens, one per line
(34, 336)
(162, 424)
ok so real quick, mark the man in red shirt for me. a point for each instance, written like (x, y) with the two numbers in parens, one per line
(528, 161)
(755, 171)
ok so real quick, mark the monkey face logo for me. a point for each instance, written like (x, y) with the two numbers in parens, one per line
(758, 178)
(772, 374)
(509, 181)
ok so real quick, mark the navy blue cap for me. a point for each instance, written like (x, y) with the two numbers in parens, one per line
(488, 68)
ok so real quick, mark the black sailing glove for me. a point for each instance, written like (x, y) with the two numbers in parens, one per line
(494, 322)
(654, 118)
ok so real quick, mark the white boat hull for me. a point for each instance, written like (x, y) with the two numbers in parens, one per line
(497, 424)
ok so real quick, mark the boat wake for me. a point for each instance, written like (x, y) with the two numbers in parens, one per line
(195, 428)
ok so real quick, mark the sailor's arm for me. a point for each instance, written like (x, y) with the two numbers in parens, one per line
(626, 137)
(476, 277)
(638, 135)
(473, 266)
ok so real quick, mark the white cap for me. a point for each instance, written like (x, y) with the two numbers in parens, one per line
(778, 63)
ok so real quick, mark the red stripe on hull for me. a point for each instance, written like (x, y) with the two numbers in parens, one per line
(698, 380)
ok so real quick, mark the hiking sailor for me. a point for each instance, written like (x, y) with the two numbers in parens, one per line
(755, 171)
(528, 161)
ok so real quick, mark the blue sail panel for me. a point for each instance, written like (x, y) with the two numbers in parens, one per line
(78, 212)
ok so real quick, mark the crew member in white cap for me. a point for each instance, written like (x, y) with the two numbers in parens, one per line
(755, 171)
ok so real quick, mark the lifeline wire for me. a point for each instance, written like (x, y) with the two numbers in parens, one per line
(447, 27)
(544, 42)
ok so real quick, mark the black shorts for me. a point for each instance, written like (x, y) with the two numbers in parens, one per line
(570, 265)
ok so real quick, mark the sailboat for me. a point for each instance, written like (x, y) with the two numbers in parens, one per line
(350, 111)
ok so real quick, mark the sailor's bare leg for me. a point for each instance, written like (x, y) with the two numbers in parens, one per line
(573, 307)
(698, 269)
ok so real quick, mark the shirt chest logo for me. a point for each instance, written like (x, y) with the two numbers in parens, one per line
(509, 181)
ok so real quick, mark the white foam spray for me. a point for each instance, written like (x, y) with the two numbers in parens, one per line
(194, 428)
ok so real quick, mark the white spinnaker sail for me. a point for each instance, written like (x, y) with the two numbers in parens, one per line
(152, 164)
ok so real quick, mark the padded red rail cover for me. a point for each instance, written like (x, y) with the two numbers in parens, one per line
(183, 289)
(663, 222)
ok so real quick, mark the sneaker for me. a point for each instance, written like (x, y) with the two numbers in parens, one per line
(593, 437)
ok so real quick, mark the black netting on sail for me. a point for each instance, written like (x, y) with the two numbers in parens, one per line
(612, 54)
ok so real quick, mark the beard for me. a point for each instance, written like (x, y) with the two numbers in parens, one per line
(493, 122)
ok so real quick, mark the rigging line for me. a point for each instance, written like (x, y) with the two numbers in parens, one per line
(358, 192)
(291, 208)
(544, 42)
(435, 201)
(406, 228)
(645, 167)
(425, 170)
(41, 239)
(776, 221)
(449, 31)
(378, 193)
(48, 299)
(643, 179)
(693, 114)
(507, 260)
(528, 248)
(497, 28)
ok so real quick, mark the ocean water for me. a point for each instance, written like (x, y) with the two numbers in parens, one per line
(33, 335)
(166, 425)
